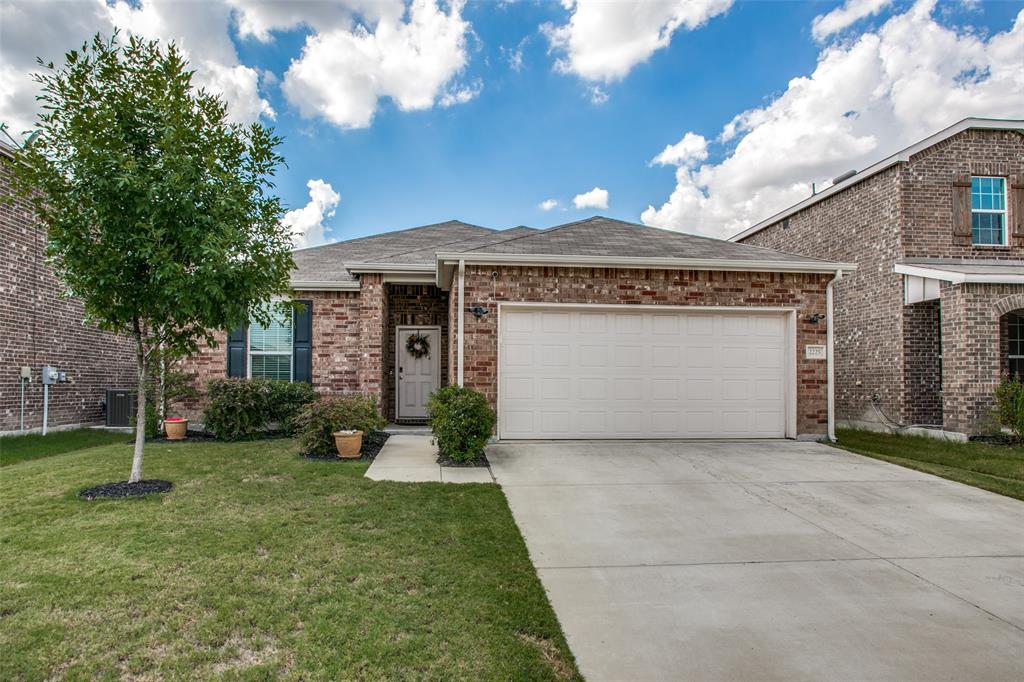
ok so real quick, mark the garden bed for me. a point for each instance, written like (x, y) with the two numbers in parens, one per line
(373, 442)
(480, 461)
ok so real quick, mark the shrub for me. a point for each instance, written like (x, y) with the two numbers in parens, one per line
(1010, 406)
(237, 408)
(285, 401)
(316, 423)
(462, 422)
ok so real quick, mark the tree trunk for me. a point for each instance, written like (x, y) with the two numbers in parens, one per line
(140, 410)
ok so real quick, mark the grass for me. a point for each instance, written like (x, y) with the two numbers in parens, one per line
(14, 449)
(997, 468)
(261, 565)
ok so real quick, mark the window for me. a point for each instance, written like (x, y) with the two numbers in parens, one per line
(270, 346)
(988, 211)
(1015, 349)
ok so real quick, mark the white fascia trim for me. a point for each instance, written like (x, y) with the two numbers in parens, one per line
(300, 285)
(645, 263)
(417, 268)
(956, 277)
(901, 156)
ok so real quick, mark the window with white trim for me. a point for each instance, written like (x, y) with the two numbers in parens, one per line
(270, 345)
(988, 211)
(1015, 345)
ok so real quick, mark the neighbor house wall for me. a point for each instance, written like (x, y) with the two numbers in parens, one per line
(805, 293)
(39, 327)
(859, 225)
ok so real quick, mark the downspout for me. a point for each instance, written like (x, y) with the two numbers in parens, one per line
(830, 364)
(462, 313)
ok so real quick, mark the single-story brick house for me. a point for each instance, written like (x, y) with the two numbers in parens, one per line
(594, 329)
(934, 316)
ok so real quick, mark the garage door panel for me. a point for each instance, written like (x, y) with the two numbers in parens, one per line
(610, 374)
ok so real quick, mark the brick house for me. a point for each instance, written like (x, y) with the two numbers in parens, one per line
(42, 328)
(934, 316)
(594, 329)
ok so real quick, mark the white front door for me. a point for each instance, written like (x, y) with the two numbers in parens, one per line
(419, 372)
(591, 372)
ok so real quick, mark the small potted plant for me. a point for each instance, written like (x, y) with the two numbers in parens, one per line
(349, 443)
(176, 428)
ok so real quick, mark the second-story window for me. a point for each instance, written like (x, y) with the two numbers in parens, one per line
(988, 211)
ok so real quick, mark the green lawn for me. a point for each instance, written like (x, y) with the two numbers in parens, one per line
(14, 449)
(262, 565)
(997, 468)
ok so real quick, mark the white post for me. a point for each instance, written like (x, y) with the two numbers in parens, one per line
(830, 364)
(462, 314)
(46, 405)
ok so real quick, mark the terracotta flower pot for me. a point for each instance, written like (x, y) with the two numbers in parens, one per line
(349, 443)
(176, 428)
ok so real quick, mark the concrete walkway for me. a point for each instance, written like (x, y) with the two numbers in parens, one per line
(767, 560)
(412, 459)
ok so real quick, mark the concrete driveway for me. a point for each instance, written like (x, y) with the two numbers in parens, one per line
(767, 560)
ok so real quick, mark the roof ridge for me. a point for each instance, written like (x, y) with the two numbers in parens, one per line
(537, 232)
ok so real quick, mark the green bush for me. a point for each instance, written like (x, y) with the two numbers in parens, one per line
(285, 401)
(237, 408)
(316, 423)
(462, 422)
(1010, 406)
(151, 429)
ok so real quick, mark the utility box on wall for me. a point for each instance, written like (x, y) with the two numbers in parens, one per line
(120, 406)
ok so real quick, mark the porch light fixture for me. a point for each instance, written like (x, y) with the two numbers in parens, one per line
(815, 318)
(478, 311)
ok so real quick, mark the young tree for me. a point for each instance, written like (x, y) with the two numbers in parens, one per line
(159, 212)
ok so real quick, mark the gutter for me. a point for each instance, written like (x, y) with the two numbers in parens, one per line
(830, 362)
(312, 285)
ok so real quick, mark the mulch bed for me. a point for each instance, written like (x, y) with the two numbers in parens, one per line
(479, 462)
(189, 436)
(122, 489)
(993, 439)
(372, 444)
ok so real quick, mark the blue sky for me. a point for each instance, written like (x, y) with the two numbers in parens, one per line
(533, 132)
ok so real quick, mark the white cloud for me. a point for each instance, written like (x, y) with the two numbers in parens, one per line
(461, 94)
(597, 95)
(865, 99)
(412, 59)
(691, 148)
(258, 18)
(595, 198)
(548, 204)
(844, 16)
(603, 41)
(307, 223)
(514, 55)
(47, 30)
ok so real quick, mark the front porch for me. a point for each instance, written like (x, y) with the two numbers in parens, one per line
(963, 331)
(420, 310)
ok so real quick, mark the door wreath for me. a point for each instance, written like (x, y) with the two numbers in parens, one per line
(417, 345)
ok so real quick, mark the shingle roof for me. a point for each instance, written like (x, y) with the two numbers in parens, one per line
(600, 236)
(327, 263)
(597, 236)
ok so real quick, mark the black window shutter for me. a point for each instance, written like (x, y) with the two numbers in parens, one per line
(302, 343)
(236, 353)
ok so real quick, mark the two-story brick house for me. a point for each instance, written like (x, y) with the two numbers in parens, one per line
(934, 315)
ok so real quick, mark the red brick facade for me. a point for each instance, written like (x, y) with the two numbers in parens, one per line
(805, 293)
(39, 328)
(891, 358)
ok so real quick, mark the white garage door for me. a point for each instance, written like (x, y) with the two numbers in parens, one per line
(598, 373)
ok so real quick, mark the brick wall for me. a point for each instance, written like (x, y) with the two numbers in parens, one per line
(859, 225)
(337, 351)
(972, 363)
(651, 287)
(419, 305)
(927, 191)
(41, 328)
(922, 362)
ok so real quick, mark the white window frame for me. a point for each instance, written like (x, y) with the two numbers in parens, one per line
(249, 352)
(1003, 212)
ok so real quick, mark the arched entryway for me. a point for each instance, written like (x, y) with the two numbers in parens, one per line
(1011, 343)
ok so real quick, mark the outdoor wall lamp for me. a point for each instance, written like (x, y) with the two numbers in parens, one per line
(815, 318)
(478, 311)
